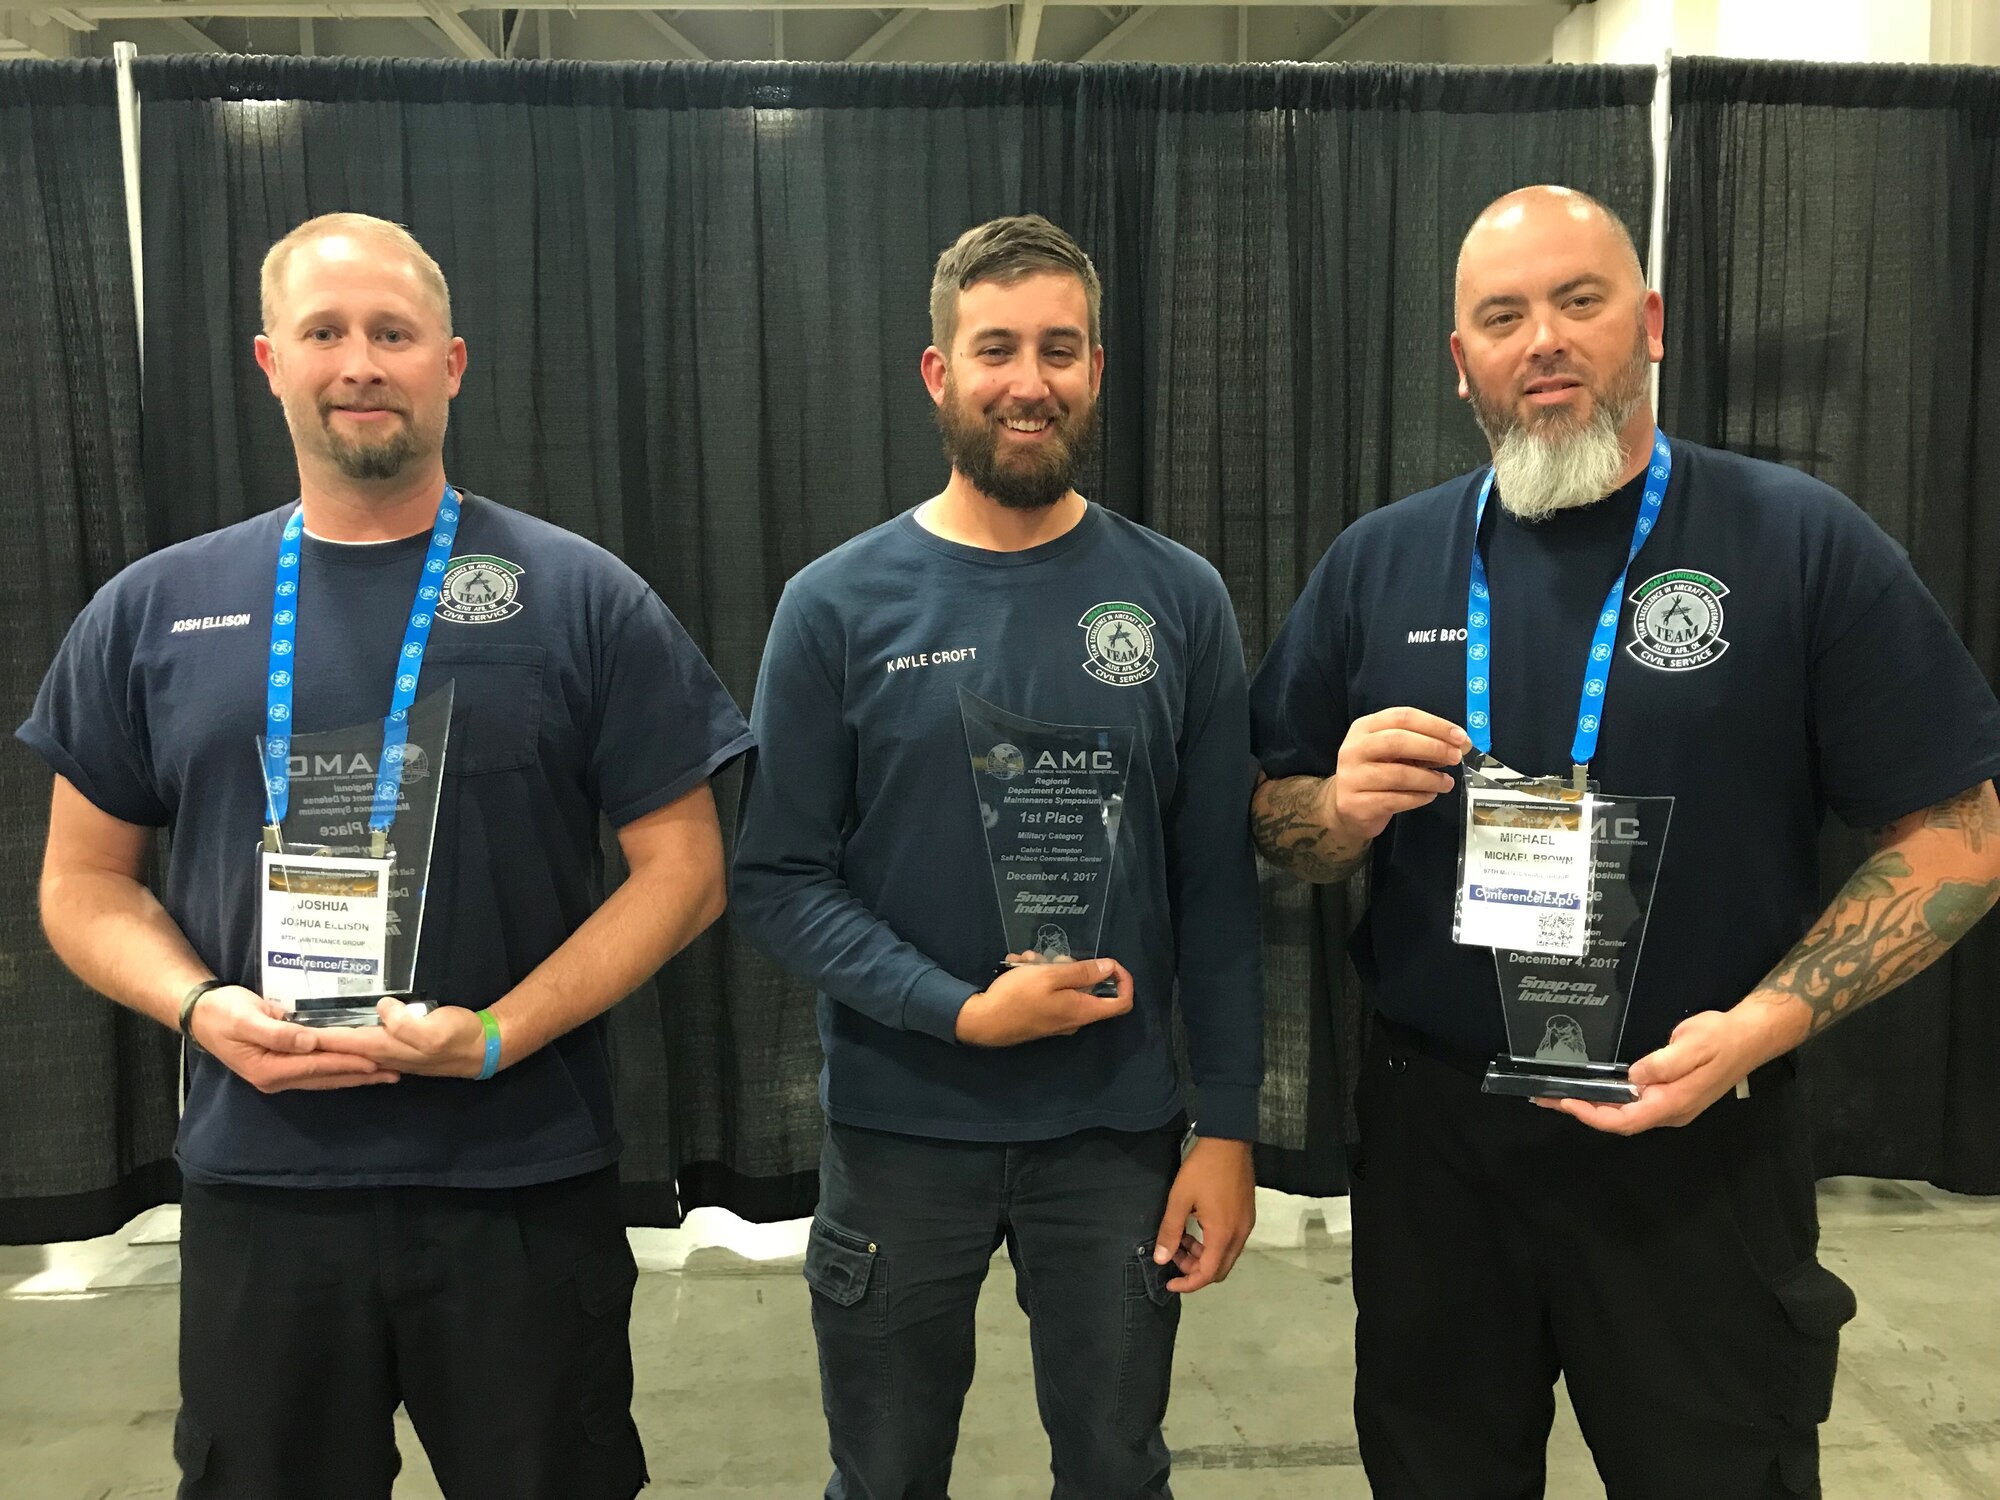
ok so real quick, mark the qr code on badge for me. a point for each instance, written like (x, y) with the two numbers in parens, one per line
(1556, 930)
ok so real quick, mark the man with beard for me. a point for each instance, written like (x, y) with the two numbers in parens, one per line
(426, 1211)
(1668, 1274)
(1009, 724)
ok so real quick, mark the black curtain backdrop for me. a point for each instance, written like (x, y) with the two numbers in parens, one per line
(86, 1089)
(1833, 303)
(695, 297)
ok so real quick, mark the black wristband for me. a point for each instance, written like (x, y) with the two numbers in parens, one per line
(188, 1002)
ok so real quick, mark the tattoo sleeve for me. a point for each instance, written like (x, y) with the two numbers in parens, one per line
(1286, 823)
(1902, 910)
(1970, 814)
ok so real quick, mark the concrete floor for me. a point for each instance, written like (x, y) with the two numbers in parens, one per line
(729, 1405)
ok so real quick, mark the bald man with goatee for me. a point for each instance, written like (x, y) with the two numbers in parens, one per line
(1718, 652)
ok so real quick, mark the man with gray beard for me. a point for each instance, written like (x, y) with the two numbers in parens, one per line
(997, 820)
(1753, 653)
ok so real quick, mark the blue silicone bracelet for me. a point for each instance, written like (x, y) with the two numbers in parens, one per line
(492, 1063)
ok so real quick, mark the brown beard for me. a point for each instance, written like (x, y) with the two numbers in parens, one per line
(1031, 480)
(385, 457)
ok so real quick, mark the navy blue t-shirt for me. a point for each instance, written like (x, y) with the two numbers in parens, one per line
(862, 862)
(1776, 657)
(576, 693)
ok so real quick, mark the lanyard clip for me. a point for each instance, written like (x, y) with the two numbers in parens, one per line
(1576, 779)
(378, 843)
(273, 839)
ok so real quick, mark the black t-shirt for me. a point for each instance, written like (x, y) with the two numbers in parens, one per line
(576, 693)
(1776, 657)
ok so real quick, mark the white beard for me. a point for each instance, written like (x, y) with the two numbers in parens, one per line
(1540, 475)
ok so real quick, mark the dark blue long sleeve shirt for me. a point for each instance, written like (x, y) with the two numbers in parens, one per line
(863, 865)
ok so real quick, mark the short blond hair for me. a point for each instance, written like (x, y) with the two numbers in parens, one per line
(429, 274)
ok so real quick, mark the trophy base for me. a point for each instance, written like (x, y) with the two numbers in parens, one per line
(345, 1010)
(1538, 1078)
(1104, 989)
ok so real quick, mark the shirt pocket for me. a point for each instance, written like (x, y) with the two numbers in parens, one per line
(496, 711)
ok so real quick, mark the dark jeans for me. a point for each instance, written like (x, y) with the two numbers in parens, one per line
(1670, 1277)
(499, 1317)
(905, 1230)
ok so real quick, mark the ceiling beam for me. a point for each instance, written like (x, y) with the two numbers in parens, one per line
(466, 41)
(672, 33)
(886, 33)
(157, 10)
(191, 35)
(1343, 44)
(1117, 34)
(66, 17)
(1030, 32)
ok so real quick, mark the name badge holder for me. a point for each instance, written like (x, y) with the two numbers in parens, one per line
(1554, 875)
(341, 924)
(350, 818)
(1566, 983)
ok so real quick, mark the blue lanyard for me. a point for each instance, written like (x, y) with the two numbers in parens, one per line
(409, 667)
(1597, 669)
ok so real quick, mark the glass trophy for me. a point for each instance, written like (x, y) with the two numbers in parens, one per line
(1050, 797)
(1566, 1012)
(342, 909)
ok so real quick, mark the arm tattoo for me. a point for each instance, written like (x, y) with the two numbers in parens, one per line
(1285, 821)
(1970, 814)
(1890, 921)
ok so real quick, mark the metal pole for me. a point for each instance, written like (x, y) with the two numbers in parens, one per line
(1656, 238)
(128, 150)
